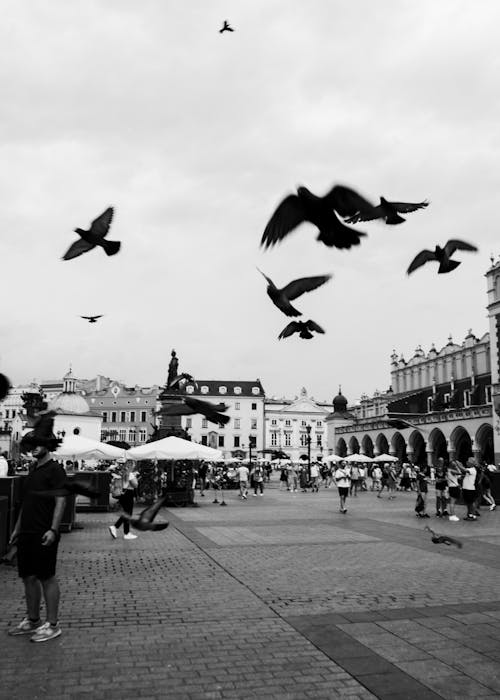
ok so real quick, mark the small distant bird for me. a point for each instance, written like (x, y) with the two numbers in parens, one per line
(386, 210)
(146, 517)
(182, 379)
(444, 539)
(69, 488)
(442, 255)
(306, 206)
(95, 236)
(282, 297)
(303, 328)
(4, 386)
(226, 27)
(91, 319)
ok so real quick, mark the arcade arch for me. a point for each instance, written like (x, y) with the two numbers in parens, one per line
(398, 445)
(438, 445)
(417, 445)
(354, 445)
(382, 444)
(484, 443)
(367, 446)
(461, 443)
(341, 448)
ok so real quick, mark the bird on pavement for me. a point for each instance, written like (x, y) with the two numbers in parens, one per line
(386, 210)
(91, 319)
(442, 255)
(226, 27)
(95, 236)
(282, 297)
(306, 206)
(444, 539)
(4, 386)
(146, 517)
(303, 328)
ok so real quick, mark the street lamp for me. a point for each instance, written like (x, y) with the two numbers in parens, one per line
(308, 438)
(250, 450)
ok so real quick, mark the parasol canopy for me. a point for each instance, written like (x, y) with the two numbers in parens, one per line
(360, 457)
(78, 446)
(385, 458)
(174, 448)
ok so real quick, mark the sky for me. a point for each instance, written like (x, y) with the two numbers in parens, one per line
(195, 137)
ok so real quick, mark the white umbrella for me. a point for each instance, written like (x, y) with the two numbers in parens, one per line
(358, 458)
(78, 446)
(174, 448)
(334, 458)
(385, 458)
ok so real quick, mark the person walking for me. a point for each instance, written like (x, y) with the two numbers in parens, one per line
(258, 480)
(36, 534)
(453, 474)
(314, 477)
(485, 484)
(243, 475)
(376, 478)
(354, 480)
(423, 476)
(441, 485)
(469, 489)
(343, 480)
(126, 501)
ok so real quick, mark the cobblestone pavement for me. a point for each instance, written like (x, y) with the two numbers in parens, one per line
(279, 596)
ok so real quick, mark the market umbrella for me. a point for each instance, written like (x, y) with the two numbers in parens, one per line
(385, 458)
(85, 448)
(334, 458)
(174, 448)
(360, 457)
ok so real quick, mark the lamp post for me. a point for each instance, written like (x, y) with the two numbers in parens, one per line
(308, 430)
(250, 451)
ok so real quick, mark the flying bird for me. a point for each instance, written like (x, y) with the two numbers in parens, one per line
(95, 236)
(400, 423)
(226, 27)
(306, 206)
(444, 539)
(4, 386)
(442, 255)
(91, 319)
(182, 379)
(386, 210)
(303, 328)
(282, 297)
(70, 488)
(212, 412)
(146, 517)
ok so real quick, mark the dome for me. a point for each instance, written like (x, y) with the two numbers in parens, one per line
(339, 402)
(69, 402)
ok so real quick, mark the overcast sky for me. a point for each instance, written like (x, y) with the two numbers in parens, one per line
(195, 137)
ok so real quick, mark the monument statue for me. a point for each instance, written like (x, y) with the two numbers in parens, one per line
(172, 369)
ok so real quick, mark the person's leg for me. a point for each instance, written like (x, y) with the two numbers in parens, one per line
(51, 596)
(33, 594)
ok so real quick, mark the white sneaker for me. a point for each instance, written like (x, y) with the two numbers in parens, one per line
(46, 632)
(454, 518)
(112, 531)
(129, 536)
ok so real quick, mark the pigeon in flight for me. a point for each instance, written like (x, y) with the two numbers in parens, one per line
(400, 423)
(306, 206)
(4, 386)
(442, 255)
(303, 328)
(146, 517)
(191, 406)
(95, 236)
(182, 379)
(386, 210)
(282, 297)
(443, 539)
(91, 319)
(69, 488)
(226, 27)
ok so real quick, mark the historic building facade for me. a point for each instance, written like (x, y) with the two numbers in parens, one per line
(290, 424)
(443, 403)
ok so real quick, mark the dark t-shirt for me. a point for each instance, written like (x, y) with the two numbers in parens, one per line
(37, 511)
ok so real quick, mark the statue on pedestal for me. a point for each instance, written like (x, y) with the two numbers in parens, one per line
(172, 369)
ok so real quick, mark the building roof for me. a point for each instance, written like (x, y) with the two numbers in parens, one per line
(225, 387)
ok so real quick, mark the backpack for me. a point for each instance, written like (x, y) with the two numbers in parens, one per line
(116, 489)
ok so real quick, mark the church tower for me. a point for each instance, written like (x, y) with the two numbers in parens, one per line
(493, 286)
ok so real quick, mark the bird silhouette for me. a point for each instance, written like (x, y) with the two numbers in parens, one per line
(226, 27)
(69, 488)
(442, 255)
(444, 539)
(95, 236)
(191, 406)
(91, 319)
(146, 517)
(4, 386)
(400, 423)
(303, 328)
(282, 297)
(306, 206)
(386, 210)
(181, 380)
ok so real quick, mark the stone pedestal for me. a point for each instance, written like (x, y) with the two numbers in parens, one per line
(170, 425)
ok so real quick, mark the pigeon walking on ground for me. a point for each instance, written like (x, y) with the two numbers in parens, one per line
(306, 206)
(282, 297)
(303, 328)
(386, 210)
(95, 236)
(91, 319)
(442, 255)
(444, 539)
(146, 517)
(226, 27)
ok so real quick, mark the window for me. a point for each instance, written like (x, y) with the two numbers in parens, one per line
(288, 439)
(303, 423)
(143, 417)
(467, 398)
(7, 412)
(222, 389)
(288, 422)
(318, 441)
(236, 440)
(204, 423)
(274, 439)
(189, 389)
(252, 441)
(13, 413)
(303, 440)
(132, 435)
(132, 416)
(142, 435)
(255, 390)
(237, 423)
(104, 416)
(429, 404)
(123, 417)
(488, 394)
(189, 422)
(253, 424)
(204, 440)
(319, 424)
(254, 407)
(237, 406)
(113, 416)
(237, 389)
(446, 400)
(122, 435)
(221, 440)
(204, 389)
(274, 421)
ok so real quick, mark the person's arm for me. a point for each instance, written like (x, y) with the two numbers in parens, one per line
(15, 532)
(50, 536)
